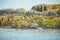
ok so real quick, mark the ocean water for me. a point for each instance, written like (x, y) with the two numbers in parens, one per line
(29, 34)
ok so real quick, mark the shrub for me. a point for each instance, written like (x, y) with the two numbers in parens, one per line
(49, 23)
(22, 23)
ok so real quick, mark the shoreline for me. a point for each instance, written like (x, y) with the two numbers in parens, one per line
(29, 28)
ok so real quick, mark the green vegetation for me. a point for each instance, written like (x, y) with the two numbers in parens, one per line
(25, 22)
(49, 23)
(45, 16)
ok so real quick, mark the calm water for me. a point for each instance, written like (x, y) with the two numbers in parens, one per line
(42, 34)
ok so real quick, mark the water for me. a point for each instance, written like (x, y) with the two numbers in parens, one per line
(43, 34)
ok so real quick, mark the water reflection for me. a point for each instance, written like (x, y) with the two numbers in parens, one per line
(29, 34)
